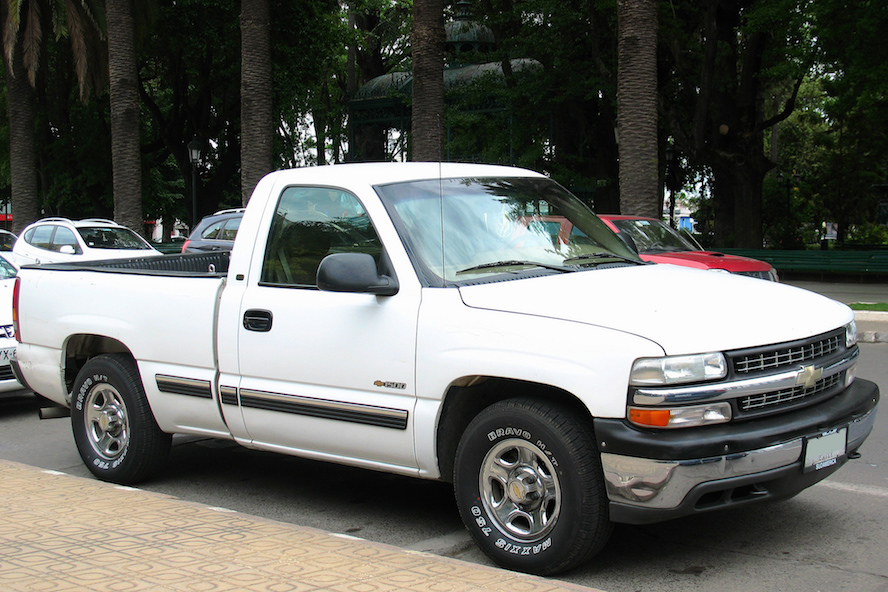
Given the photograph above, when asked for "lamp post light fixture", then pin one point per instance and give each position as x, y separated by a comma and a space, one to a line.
194, 147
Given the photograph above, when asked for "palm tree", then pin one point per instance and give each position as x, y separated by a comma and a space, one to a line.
22, 152
637, 107
23, 23
427, 43
257, 127
126, 161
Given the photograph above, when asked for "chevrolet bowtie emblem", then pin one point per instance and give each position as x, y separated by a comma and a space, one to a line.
808, 376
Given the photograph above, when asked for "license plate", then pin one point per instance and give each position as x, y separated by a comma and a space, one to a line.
824, 450
6, 355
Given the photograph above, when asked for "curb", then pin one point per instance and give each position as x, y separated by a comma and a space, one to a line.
870, 316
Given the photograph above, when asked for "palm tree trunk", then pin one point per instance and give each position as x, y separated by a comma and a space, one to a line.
427, 43
25, 202
257, 128
637, 107
126, 160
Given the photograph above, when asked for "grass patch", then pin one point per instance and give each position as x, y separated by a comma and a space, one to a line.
877, 306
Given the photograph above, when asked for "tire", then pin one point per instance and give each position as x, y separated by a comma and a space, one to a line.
114, 429
529, 487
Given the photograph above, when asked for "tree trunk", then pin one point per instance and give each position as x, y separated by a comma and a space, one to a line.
257, 126
25, 202
737, 200
126, 160
637, 107
427, 44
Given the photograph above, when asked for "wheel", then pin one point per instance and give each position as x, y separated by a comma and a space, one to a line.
529, 487
114, 429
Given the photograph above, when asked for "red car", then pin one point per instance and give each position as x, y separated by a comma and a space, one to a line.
657, 242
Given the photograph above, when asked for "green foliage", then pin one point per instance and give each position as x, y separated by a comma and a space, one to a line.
557, 117
868, 233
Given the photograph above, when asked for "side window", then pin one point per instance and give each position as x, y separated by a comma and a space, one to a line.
63, 237
212, 231
229, 232
40, 236
309, 224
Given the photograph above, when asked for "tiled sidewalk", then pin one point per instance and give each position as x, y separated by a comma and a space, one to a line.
65, 533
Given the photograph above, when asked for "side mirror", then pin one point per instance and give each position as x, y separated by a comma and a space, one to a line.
67, 250
354, 272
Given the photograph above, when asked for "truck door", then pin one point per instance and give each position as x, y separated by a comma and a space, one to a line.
323, 374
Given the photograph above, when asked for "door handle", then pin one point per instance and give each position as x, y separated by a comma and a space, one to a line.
257, 320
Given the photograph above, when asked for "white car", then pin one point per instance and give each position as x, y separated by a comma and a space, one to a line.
8, 383
59, 240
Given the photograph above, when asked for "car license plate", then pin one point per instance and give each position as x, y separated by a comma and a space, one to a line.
6, 355
824, 450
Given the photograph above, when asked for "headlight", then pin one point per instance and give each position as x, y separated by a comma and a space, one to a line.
678, 369
850, 334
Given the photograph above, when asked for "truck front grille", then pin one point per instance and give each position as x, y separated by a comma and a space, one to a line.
787, 396
763, 360
816, 351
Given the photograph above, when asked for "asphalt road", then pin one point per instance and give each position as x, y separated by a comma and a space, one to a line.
831, 537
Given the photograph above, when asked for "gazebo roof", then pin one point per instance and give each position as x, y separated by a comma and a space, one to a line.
400, 83
385, 99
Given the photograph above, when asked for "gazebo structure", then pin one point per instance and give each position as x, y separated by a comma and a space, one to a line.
379, 112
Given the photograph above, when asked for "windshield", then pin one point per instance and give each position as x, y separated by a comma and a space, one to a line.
112, 238
460, 230
652, 236
7, 270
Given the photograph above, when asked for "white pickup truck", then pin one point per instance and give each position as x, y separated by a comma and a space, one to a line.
470, 323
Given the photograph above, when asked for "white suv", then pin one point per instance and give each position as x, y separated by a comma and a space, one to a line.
57, 240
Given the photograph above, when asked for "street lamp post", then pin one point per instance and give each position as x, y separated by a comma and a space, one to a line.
783, 181
194, 147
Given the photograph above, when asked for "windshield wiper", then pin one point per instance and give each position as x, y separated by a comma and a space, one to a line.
601, 255
513, 262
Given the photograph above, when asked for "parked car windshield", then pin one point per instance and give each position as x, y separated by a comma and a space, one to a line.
470, 228
652, 236
112, 238
7, 269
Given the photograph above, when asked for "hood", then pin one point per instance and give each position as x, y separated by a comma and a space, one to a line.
684, 310
708, 260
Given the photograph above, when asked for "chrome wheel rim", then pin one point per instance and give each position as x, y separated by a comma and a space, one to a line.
106, 421
520, 490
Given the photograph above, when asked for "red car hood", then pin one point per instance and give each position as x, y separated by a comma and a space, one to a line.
708, 260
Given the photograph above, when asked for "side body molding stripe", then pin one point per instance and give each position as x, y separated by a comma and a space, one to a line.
228, 395
384, 417
191, 387
337, 410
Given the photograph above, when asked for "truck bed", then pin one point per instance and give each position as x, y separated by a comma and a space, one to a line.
213, 264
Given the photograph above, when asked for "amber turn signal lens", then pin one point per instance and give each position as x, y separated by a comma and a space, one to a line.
656, 418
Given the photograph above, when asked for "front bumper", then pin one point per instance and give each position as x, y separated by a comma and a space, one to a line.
655, 475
